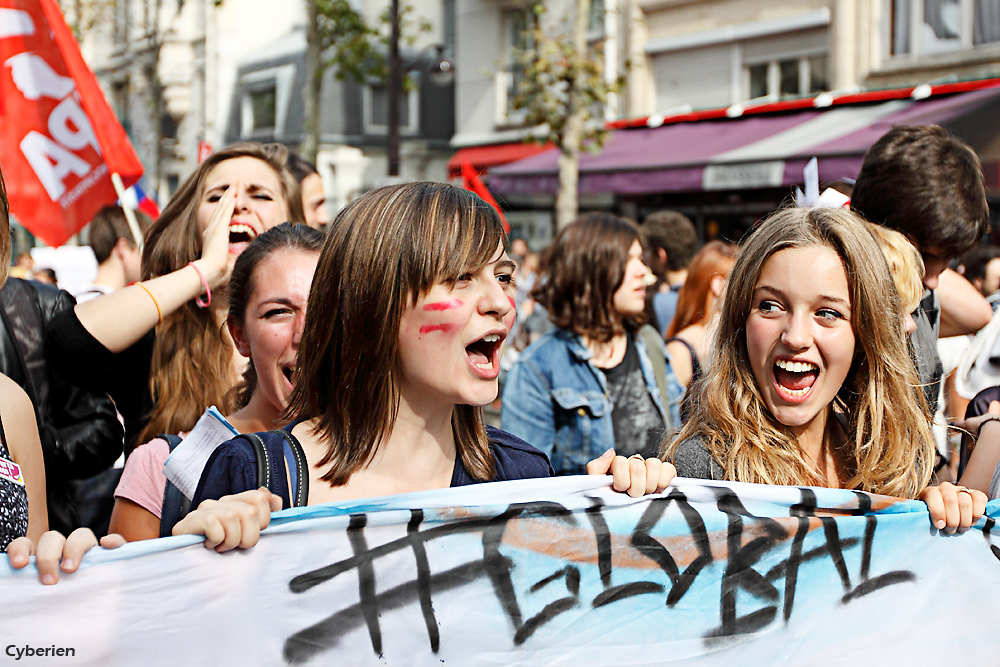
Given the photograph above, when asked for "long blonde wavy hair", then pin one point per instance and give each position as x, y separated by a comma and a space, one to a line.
192, 365
889, 448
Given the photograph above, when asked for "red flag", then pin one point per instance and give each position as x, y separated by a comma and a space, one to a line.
204, 150
59, 140
472, 182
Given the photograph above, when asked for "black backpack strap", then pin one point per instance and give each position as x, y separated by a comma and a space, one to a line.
175, 504
298, 469
263, 460
294, 458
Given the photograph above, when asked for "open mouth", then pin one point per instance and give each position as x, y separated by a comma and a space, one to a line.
288, 372
240, 236
484, 353
795, 378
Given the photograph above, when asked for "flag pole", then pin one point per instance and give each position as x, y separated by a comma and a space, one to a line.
133, 224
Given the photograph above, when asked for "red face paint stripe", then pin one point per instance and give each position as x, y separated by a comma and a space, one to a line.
427, 328
512, 303
444, 305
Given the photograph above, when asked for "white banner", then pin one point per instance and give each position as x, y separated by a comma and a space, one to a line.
537, 572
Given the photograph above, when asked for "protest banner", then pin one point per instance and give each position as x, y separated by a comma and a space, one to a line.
539, 572
60, 142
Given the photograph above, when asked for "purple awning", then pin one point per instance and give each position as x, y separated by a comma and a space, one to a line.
742, 153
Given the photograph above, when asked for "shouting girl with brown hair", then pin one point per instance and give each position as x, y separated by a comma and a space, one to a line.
159, 347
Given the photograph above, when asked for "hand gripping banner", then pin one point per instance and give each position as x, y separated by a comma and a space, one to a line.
539, 572
60, 142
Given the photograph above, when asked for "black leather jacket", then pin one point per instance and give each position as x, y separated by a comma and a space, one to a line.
79, 430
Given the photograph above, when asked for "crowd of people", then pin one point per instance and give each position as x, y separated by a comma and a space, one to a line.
356, 361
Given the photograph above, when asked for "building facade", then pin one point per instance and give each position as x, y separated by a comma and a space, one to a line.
201, 74
688, 56
712, 53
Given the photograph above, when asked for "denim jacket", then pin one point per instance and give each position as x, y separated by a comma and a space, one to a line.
556, 400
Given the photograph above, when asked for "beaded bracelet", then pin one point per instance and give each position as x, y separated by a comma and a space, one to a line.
207, 301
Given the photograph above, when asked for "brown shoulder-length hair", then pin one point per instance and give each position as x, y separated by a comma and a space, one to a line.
889, 447
714, 259
382, 252
581, 271
192, 365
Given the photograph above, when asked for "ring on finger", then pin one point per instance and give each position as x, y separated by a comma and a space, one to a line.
963, 489
636, 456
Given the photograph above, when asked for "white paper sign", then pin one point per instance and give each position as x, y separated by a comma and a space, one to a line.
185, 463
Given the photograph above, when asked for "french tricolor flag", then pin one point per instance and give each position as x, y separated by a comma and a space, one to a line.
138, 200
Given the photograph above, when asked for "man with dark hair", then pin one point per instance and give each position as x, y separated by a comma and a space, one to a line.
981, 267
928, 185
118, 255
671, 242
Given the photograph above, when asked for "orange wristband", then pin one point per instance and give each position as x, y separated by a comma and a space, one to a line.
159, 313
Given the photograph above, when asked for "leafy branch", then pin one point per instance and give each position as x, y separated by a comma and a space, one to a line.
559, 81
356, 48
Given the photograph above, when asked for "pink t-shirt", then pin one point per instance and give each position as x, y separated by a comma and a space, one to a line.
143, 481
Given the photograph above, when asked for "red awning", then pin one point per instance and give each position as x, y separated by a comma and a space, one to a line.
483, 157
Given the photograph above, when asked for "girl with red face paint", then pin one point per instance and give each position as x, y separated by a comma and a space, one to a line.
811, 383
404, 339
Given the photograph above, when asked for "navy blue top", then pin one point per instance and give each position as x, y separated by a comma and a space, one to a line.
232, 468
